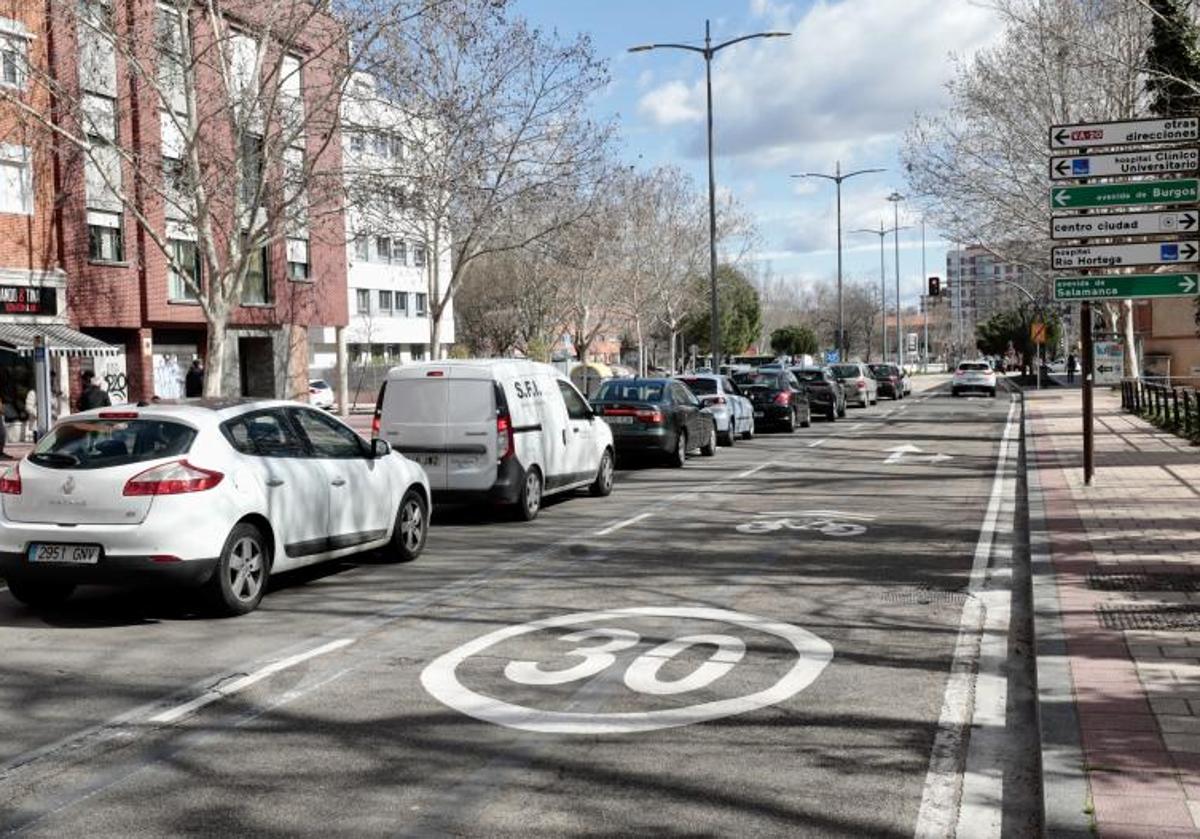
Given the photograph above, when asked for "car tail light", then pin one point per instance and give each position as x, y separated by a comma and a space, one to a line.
861, 384
783, 398
716, 400
174, 478
649, 417
505, 445
10, 481
312, 391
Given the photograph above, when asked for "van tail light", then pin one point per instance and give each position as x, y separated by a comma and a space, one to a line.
861, 384
10, 481
783, 398
174, 478
505, 444
118, 415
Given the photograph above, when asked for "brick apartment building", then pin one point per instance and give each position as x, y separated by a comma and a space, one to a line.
76, 244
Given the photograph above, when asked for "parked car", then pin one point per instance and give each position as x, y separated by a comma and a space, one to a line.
732, 412
495, 430
860, 386
212, 494
779, 400
887, 378
657, 417
320, 394
977, 376
825, 393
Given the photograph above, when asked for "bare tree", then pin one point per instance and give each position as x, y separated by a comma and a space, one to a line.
497, 119
981, 166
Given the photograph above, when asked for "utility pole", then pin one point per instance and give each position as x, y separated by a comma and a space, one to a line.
882, 233
896, 198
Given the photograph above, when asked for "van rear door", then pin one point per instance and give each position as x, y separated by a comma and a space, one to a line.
471, 434
414, 423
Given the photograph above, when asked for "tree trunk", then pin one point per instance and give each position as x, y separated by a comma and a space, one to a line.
214, 367
1127, 340
674, 335
435, 333
641, 346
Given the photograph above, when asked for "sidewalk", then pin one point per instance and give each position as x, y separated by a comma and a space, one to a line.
1125, 557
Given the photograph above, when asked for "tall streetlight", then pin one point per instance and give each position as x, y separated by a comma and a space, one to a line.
896, 198
708, 51
882, 233
837, 177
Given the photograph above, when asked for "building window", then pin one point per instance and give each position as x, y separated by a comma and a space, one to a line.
396, 199
257, 290
105, 242
362, 249
382, 144
399, 252
252, 169
14, 51
299, 266
16, 181
385, 302
362, 301
419, 256
419, 304
185, 265
383, 249
358, 143
417, 351
401, 301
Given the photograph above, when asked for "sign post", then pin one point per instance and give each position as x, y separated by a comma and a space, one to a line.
41, 384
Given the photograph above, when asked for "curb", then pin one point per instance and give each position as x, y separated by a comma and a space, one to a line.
1065, 797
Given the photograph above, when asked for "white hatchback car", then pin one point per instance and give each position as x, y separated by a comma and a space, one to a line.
320, 394
212, 494
975, 376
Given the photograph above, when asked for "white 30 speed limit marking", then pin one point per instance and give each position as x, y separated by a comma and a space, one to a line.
440, 678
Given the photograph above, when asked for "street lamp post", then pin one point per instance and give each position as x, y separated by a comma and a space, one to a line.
882, 234
896, 198
837, 177
708, 51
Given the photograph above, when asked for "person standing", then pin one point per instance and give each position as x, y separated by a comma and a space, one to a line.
193, 383
93, 395
1071, 365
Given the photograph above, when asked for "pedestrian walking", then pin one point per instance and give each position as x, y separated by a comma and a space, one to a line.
1071, 365
93, 395
193, 382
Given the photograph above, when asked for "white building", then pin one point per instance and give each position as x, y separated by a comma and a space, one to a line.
388, 260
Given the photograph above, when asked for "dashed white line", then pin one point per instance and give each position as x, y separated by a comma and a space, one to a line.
752, 471
816, 443
208, 697
621, 525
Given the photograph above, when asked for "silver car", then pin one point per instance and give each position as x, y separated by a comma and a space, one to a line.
732, 412
858, 383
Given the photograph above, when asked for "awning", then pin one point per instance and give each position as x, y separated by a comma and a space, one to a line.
61, 340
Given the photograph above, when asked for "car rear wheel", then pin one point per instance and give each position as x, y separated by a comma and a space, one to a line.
748, 434
603, 485
807, 418
993, 393
679, 456
833, 413
709, 448
40, 595
240, 579
412, 526
530, 501
729, 436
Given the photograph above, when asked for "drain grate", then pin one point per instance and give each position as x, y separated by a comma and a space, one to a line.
923, 596
1149, 617
1138, 581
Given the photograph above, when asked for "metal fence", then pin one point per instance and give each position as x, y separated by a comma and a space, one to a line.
1164, 402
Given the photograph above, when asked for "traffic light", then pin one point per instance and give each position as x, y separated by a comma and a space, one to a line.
935, 286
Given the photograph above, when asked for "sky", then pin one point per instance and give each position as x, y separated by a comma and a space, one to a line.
843, 87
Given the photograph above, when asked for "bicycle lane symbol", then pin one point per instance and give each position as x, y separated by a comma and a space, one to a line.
825, 522
643, 676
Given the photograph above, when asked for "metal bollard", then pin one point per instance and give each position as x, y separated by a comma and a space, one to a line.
1187, 413
1176, 424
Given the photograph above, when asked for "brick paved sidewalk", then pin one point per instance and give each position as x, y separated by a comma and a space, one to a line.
1126, 558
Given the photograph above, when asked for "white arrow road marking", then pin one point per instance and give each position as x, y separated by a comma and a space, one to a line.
898, 453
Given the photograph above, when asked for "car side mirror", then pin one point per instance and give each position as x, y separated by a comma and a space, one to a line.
380, 448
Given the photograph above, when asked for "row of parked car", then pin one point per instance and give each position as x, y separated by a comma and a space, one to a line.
220, 495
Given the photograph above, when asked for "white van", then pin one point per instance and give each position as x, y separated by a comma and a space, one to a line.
505, 430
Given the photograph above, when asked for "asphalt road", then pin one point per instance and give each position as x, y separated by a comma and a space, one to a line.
765, 641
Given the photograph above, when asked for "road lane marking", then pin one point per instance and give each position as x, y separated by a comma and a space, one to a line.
816, 443
752, 471
940, 813
813, 653
208, 697
621, 525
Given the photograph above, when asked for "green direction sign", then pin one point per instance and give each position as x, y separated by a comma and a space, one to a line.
1181, 191
1126, 285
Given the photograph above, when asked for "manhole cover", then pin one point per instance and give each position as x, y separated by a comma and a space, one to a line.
1139, 581
1149, 617
923, 596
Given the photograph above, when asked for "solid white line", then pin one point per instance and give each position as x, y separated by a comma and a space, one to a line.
621, 525
816, 443
939, 813
750, 472
856, 426
208, 697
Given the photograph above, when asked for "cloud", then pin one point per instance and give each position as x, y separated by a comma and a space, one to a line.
852, 73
